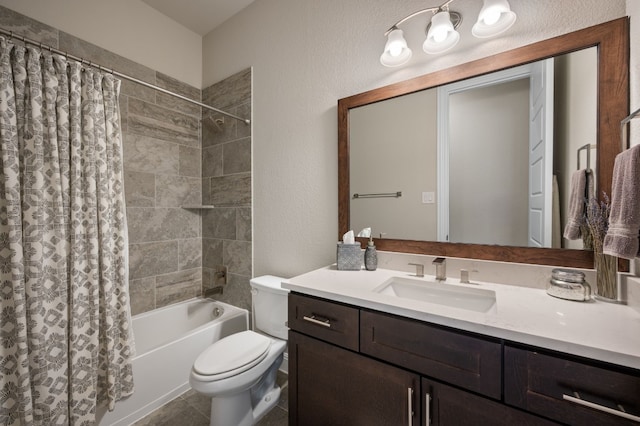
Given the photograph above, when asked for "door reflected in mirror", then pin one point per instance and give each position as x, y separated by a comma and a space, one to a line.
486, 160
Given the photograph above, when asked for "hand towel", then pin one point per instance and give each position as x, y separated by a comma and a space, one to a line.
624, 220
576, 204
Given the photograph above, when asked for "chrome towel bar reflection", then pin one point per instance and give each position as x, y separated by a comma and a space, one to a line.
588, 148
381, 195
623, 128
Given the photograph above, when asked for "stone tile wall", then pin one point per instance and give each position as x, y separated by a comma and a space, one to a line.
162, 159
226, 183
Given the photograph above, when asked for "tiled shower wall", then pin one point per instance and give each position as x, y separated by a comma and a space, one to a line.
226, 183
162, 160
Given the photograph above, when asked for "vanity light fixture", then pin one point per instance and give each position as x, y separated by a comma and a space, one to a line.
495, 18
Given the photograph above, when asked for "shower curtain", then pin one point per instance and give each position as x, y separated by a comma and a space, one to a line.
65, 332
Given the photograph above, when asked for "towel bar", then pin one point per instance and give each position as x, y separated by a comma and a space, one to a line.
381, 195
623, 128
588, 148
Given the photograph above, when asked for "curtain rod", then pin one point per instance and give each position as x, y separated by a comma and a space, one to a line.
121, 75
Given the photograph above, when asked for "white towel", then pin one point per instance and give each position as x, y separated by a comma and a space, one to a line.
624, 220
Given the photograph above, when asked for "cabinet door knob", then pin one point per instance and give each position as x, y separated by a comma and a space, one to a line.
577, 400
315, 320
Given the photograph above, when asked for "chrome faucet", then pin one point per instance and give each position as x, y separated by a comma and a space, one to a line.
441, 268
419, 269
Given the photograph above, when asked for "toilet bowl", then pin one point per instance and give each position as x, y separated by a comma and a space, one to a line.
239, 372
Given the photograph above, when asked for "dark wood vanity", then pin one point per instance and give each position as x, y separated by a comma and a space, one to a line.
356, 366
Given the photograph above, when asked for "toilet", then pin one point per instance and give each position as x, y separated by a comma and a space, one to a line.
239, 371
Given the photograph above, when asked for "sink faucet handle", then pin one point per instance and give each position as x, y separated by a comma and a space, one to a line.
419, 269
441, 268
464, 276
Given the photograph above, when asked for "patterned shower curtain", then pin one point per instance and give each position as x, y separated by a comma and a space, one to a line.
65, 332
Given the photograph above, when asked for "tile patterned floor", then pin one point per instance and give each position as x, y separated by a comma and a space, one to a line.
192, 409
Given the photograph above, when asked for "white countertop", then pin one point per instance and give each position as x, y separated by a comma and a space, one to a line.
596, 330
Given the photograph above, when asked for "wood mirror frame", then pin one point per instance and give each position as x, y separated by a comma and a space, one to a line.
612, 42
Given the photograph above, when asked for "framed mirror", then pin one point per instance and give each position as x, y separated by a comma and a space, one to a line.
609, 47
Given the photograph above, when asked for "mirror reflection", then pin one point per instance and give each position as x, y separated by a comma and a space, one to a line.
486, 160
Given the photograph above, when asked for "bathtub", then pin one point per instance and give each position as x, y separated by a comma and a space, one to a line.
168, 340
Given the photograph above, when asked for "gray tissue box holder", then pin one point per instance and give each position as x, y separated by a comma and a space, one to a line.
349, 257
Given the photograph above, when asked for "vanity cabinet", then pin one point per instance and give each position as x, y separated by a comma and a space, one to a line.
330, 385
352, 366
445, 405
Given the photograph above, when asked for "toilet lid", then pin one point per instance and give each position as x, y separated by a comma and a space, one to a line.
235, 353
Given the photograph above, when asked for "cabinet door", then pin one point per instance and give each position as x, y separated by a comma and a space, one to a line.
333, 386
444, 405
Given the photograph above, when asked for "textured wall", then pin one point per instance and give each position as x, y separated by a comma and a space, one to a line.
226, 183
307, 54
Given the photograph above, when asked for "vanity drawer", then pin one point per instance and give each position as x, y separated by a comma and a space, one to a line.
460, 359
570, 391
328, 321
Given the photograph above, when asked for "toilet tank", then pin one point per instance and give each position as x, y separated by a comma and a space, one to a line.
269, 302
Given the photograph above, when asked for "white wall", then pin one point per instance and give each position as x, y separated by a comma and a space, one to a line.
306, 54
393, 146
576, 124
489, 164
129, 28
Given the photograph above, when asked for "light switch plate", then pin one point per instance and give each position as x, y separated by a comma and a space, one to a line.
428, 197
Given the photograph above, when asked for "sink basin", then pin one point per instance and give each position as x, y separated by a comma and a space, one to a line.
472, 299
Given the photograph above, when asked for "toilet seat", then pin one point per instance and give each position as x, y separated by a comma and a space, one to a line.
232, 355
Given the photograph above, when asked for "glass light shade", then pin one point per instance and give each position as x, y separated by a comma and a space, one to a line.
396, 52
441, 35
495, 18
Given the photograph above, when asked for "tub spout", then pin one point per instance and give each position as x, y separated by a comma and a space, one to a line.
210, 292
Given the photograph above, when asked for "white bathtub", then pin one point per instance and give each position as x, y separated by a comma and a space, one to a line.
168, 340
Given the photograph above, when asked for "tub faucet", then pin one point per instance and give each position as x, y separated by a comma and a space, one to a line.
441, 268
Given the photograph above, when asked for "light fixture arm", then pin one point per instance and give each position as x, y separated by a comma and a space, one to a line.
433, 10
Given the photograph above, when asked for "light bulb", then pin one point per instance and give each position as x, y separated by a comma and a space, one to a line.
396, 52
395, 49
495, 18
491, 16
439, 35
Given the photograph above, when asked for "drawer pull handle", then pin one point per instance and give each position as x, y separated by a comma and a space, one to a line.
577, 400
410, 406
427, 412
313, 319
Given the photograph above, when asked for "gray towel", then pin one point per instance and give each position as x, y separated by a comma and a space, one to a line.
624, 220
576, 204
